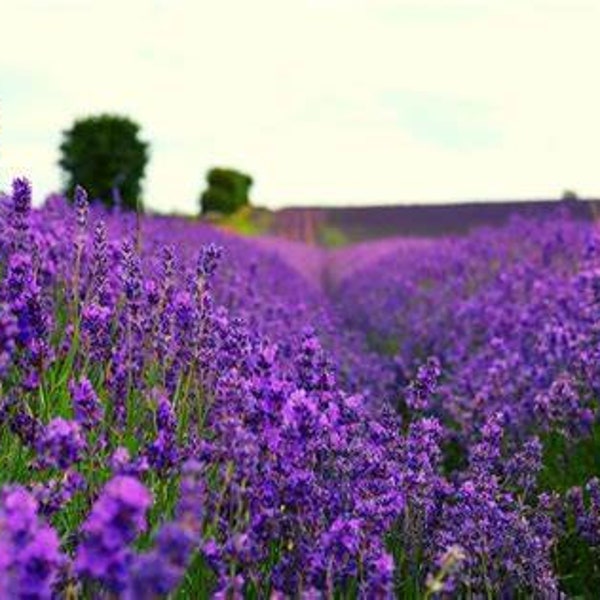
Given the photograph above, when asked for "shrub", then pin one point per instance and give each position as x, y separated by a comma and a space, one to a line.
227, 191
569, 195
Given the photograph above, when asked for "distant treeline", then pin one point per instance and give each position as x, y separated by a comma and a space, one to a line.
106, 156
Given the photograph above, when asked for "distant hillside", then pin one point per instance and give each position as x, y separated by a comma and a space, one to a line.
338, 226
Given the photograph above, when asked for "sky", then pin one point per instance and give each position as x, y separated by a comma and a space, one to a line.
323, 102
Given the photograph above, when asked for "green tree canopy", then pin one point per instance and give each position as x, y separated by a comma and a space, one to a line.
105, 155
227, 191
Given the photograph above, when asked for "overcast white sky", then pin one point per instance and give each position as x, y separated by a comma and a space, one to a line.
322, 101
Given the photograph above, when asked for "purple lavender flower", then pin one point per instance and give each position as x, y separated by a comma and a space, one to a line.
524, 466
132, 275
314, 367
159, 571
8, 335
30, 556
19, 277
116, 519
60, 444
587, 517
81, 207
380, 579
163, 452
208, 260
86, 405
21, 208
342, 540
56, 493
95, 328
27, 427
229, 587
121, 463
100, 262
21, 194
418, 394
561, 405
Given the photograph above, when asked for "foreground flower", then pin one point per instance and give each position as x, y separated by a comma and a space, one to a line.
30, 556
116, 519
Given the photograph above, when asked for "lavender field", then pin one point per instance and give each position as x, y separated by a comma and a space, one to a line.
190, 414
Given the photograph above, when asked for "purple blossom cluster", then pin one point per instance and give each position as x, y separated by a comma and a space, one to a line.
30, 555
116, 519
187, 412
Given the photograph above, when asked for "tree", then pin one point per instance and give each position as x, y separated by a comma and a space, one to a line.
227, 191
105, 155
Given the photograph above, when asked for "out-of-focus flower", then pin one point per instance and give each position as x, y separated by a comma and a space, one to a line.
30, 556
116, 519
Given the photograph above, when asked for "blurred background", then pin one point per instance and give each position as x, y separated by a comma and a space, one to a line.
307, 103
